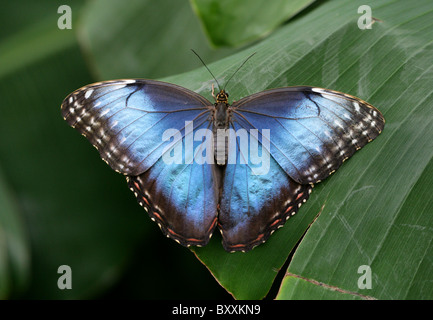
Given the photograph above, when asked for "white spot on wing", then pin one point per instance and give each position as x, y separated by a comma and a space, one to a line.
114, 124
88, 93
338, 123
347, 116
356, 105
318, 90
105, 112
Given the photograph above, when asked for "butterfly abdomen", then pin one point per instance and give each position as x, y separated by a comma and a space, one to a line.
221, 146
220, 126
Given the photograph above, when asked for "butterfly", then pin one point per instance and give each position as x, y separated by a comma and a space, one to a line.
244, 168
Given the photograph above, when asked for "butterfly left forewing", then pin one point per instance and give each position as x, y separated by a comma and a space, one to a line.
126, 119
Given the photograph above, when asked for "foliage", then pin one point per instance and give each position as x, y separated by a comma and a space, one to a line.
62, 205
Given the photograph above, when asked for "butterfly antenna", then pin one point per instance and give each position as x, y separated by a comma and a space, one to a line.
207, 69
238, 69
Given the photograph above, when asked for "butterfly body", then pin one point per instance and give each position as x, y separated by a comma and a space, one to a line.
221, 121
243, 168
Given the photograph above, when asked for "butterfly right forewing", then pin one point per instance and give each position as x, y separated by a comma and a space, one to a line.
313, 130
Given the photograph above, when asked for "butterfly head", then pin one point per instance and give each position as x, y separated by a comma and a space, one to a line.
222, 97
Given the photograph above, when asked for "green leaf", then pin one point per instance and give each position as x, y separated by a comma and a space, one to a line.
376, 209
142, 39
236, 22
14, 249
297, 288
378, 212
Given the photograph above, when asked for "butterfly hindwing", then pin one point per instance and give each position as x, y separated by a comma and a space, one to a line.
182, 199
257, 198
313, 130
181, 194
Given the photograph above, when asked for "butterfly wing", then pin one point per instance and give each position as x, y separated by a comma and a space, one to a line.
182, 197
313, 130
257, 198
127, 120
311, 133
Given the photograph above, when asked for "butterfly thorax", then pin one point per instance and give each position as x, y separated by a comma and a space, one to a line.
221, 119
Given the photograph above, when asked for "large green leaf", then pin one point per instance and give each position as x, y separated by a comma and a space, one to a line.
142, 38
379, 212
236, 22
376, 210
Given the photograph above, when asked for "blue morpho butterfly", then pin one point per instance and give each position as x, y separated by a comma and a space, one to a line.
195, 165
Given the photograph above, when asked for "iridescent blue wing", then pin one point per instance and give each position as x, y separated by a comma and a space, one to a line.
126, 120
313, 130
257, 197
181, 198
